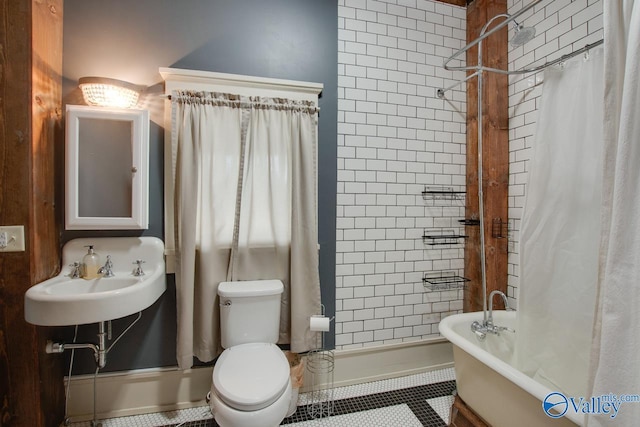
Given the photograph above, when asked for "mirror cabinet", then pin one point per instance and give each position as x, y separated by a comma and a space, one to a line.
106, 168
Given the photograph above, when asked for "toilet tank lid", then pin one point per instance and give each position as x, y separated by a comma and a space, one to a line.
250, 288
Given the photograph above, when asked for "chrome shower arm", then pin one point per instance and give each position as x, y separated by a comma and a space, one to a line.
504, 23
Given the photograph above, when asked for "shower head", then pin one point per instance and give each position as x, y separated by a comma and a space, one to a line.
522, 34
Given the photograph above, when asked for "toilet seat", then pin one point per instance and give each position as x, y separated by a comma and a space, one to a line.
249, 377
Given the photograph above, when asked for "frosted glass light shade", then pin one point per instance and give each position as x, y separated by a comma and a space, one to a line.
104, 92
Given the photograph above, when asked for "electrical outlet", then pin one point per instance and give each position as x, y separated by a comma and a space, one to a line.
12, 238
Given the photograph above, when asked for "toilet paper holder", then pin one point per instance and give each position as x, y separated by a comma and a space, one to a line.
320, 323
320, 365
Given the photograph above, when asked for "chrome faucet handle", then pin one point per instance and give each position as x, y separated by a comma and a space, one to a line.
75, 270
495, 329
479, 330
107, 269
138, 270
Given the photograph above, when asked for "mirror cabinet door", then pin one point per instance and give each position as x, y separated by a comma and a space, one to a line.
106, 168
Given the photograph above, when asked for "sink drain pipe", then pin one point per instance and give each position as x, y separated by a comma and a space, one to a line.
99, 350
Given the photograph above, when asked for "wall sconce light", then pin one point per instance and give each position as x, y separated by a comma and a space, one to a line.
104, 92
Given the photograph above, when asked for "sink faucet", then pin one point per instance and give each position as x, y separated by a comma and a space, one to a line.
75, 270
107, 269
138, 270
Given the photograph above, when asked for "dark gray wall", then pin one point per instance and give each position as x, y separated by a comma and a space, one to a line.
130, 40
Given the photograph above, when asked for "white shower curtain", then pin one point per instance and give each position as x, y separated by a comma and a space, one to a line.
615, 366
560, 228
245, 209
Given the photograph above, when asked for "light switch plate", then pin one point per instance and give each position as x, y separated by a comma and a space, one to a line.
13, 236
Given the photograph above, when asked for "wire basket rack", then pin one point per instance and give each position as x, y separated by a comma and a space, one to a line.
443, 196
444, 281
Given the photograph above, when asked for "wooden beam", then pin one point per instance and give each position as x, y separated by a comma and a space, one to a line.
31, 36
455, 2
495, 154
463, 416
47, 169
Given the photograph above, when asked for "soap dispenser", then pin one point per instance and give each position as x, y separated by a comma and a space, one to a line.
90, 264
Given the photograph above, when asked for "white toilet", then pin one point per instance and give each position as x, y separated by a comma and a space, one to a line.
251, 385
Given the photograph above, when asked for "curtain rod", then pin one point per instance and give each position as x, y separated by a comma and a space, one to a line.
586, 48
314, 106
498, 27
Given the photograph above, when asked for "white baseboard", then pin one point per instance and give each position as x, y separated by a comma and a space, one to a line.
390, 361
122, 394
163, 389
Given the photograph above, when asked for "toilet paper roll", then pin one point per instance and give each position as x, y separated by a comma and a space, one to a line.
319, 323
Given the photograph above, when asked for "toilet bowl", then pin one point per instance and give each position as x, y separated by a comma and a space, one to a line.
251, 386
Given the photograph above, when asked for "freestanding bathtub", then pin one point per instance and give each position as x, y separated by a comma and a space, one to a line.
488, 383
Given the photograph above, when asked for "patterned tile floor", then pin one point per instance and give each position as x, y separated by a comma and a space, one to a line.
412, 401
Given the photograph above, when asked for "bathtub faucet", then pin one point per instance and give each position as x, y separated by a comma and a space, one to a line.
504, 299
487, 326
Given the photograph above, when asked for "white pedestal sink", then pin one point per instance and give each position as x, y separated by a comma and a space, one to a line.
62, 301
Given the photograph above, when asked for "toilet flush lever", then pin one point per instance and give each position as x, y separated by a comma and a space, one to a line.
227, 303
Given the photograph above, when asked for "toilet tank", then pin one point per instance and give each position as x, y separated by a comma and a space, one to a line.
249, 311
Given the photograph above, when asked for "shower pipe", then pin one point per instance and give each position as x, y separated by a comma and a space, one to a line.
484, 34
479, 69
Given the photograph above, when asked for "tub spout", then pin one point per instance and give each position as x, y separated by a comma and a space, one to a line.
504, 299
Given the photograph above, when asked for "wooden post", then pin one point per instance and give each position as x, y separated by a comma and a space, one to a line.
464, 416
495, 128
31, 386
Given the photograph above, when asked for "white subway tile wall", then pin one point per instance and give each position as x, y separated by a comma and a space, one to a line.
395, 136
562, 26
